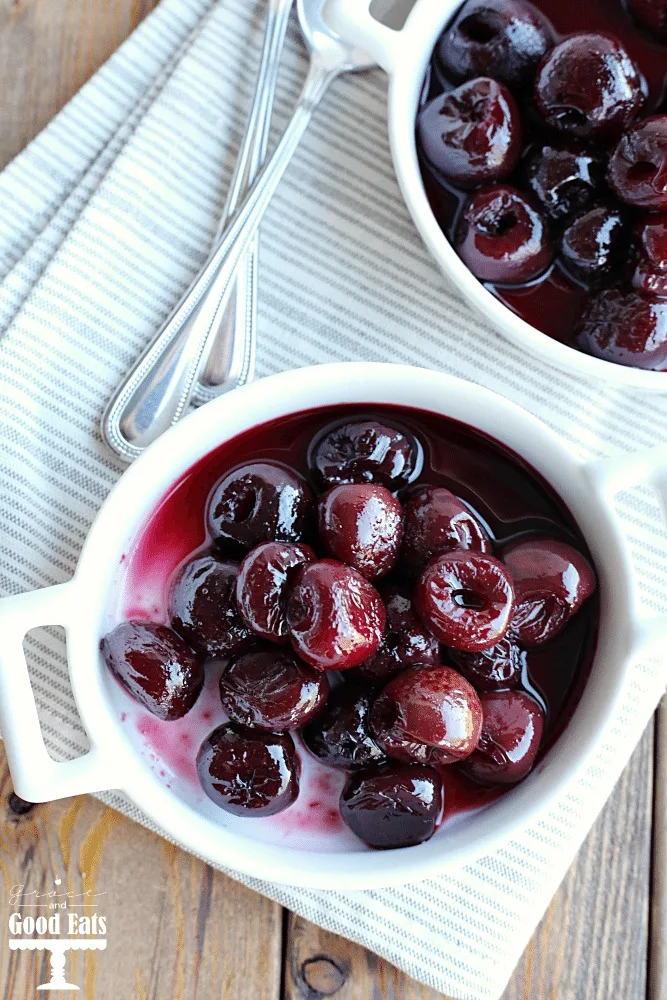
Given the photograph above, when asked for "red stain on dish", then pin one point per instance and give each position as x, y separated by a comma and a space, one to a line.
207, 715
123, 716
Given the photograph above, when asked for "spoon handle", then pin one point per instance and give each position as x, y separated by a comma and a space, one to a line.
160, 387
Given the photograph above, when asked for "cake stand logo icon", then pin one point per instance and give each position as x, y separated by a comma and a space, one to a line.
56, 921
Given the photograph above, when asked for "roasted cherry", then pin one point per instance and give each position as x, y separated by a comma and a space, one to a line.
492, 669
638, 166
398, 806
594, 245
650, 273
365, 451
502, 38
155, 666
503, 237
472, 135
630, 329
466, 599
430, 715
551, 582
203, 609
589, 87
249, 772
335, 617
272, 689
340, 736
362, 525
406, 642
565, 177
259, 502
436, 521
263, 584
509, 741
651, 15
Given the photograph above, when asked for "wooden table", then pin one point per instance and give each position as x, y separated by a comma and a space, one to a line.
182, 930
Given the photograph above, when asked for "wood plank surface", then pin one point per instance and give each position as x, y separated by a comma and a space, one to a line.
178, 929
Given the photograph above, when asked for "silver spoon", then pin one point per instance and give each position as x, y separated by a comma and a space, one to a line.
235, 319
160, 388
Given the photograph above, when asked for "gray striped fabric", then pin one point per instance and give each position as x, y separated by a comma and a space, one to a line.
103, 220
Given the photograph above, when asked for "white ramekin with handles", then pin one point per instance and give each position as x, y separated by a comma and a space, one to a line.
113, 762
405, 55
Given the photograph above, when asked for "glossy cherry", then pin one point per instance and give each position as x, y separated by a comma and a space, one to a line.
551, 582
263, 584
259, 502
436, 521
249, 772
650, 273
361, 524
650, 15
472, 135
502, 38
565, 176
202, 608
589, 87
594, 246
509, 741
638, 165
503, 237
364, 451
405, 643
466, 599
336, 618
340, 736
272, 689
155, 666
430, 715
398, 806
492, 669
629, 329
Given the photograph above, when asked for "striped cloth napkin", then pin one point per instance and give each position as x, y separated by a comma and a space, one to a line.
104, 219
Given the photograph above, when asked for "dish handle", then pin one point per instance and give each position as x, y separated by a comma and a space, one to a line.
353, 21
36, 775
611, 476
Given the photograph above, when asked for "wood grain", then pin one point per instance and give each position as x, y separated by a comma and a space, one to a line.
176, 927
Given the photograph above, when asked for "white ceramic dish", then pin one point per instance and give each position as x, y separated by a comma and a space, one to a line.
405, 55
81, 606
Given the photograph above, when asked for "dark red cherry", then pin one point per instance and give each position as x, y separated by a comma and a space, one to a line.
155, 666
262, 587
466, 599
202, 607
565, 177
650, 15
364, 451
259, 502
509, 741
272, 689
336, 618
589, 87
503, 237
502, 38
629, 329
340, 736
472, 135
430, 715
551, 582
436, 521
249, 772
594, 246
362, 525
406, 642
650, 274
638, 165
491, 669
396, 807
